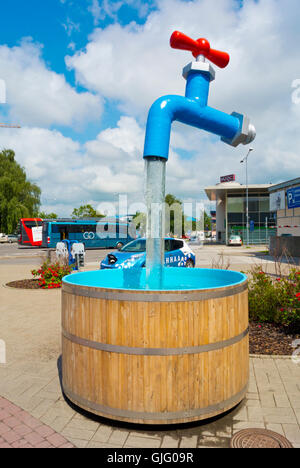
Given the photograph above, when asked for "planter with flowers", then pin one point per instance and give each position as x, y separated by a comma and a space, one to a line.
274, 311
50, 275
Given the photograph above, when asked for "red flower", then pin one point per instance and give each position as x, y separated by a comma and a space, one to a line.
278, 279
298, 294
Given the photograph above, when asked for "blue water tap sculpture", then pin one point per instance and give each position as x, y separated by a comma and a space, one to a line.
192, 109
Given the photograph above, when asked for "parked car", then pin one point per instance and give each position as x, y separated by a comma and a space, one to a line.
12, 238
196, 240
3, 237
177, 254
235, 240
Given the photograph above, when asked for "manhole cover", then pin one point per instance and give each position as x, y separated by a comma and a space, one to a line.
259, 438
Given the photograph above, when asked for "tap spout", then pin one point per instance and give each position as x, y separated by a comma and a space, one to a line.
192, 109
168, 109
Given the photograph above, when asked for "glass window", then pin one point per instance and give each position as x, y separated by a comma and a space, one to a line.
264, 204
263, 217
235, 218
254, 217
176, 244
33, 223
235, 237
235, 205
168, 245
122, 229
253, 204
138, 245
55, 228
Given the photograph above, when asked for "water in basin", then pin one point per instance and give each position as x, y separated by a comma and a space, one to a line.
173, 279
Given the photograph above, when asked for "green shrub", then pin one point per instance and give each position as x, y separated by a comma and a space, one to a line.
288, 313
275, 300
50, 275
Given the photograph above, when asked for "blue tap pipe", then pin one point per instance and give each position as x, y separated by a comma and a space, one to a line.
191, 110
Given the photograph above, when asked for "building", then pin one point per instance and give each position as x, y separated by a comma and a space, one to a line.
285, 205
231, 211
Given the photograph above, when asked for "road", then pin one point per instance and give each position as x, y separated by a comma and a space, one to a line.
208, 256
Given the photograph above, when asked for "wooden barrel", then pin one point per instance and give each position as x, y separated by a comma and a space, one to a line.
155, 358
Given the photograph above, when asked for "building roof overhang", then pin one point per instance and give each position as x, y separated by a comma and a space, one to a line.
284, 185
219, 191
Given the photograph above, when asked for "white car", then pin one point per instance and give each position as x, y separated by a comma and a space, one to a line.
235, 240
196, 238
3, 237
11, 238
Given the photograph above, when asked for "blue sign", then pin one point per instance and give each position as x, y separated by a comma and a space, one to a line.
293, 197
251, 226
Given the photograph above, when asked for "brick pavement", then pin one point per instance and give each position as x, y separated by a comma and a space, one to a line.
272, 402
18, 429
30, 380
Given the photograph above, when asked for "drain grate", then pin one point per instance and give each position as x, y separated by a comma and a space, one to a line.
259, 438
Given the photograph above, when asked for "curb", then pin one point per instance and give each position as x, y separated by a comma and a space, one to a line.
270, 356
18, 257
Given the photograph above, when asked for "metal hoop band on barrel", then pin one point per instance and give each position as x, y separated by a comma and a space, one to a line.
117, 412
135, 296
154, 351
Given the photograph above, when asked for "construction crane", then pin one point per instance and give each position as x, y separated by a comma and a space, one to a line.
9, 126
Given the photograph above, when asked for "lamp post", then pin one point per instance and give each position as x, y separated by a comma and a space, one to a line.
245, 159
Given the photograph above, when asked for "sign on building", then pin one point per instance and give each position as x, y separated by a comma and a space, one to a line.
227, 178
293, 197
277, 201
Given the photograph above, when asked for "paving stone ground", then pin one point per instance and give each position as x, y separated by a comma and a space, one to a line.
18, 429
33, 410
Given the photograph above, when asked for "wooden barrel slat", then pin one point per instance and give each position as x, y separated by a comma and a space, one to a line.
191, 385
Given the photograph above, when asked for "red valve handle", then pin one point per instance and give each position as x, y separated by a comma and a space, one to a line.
200, 47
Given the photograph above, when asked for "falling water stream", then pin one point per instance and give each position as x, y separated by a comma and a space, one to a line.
155, 169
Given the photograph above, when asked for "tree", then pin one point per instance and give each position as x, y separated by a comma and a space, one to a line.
171, 200
174, 218
44, 215
204, 222
86, 211
19, 198
207, 222
140, 221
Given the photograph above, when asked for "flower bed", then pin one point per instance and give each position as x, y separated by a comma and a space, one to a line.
275, 300
50, 275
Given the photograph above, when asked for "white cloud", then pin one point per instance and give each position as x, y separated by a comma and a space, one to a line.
71, 174
70, 27
110, 8
95, 10
38, 96
134, 65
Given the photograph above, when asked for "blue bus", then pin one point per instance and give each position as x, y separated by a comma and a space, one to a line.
92, 233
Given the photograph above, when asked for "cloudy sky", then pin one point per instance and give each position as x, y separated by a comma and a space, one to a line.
81, 75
